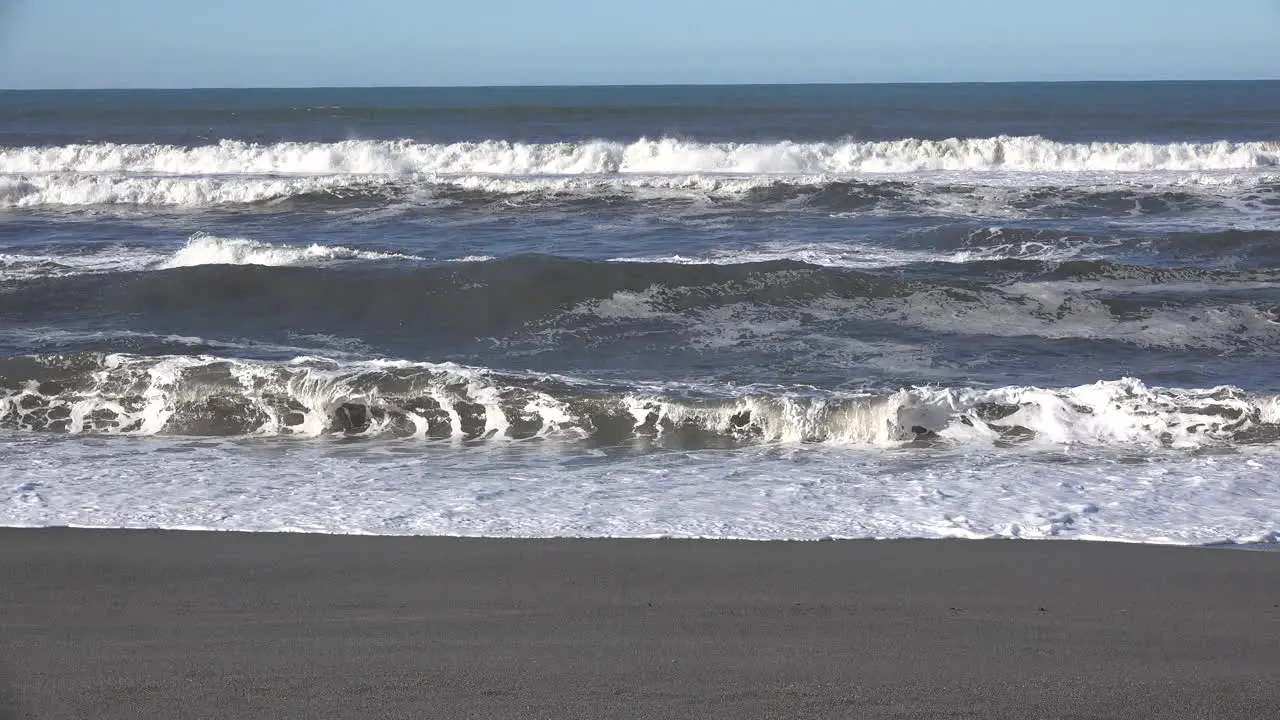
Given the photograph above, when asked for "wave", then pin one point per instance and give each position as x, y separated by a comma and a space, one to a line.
35, 340
644, 156
23, 266
964, 244
72, 190
1234, 247
549, 300
954, 195
202, 249
311, 397
948, 244
1204, 249
955, 244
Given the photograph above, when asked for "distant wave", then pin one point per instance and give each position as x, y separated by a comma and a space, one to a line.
645, 156
841, 176
83, 189
1029, 194
206, 395
837, 175
664, 156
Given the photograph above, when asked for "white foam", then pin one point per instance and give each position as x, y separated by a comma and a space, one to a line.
961, 192
204, 249
69, 189
1108, 460
1105, 414
869, 255
644, 156
1053, 310
199, 249
534, 490
17, 266
233, 172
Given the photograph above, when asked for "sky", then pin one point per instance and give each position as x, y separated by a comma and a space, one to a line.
283, 43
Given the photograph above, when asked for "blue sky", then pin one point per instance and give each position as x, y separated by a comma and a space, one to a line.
235, 43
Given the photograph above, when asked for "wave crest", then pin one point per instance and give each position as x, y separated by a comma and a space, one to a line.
644, 156
205, 395
202, 249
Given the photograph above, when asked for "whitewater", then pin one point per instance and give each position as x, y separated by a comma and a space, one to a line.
662, 156
235, 172
742, 312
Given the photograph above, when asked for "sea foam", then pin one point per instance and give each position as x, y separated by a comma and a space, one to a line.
645, 156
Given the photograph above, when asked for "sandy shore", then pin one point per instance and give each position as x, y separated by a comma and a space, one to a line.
123, 624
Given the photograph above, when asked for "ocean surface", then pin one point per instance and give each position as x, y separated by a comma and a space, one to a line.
1030, 310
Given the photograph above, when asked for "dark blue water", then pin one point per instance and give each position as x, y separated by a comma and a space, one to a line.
1070, 112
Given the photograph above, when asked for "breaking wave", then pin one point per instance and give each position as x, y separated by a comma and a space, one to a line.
312, 397
954, 195
838, 176
202, 249
71, 189
199, 249
664, 156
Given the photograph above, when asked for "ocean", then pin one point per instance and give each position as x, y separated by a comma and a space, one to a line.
767, 312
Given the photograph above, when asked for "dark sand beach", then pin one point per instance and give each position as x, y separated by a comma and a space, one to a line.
140, 624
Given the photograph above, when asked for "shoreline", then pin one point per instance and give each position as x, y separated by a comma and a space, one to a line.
141, 623
1249, 545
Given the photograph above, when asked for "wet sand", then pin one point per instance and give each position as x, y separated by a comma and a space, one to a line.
141, 624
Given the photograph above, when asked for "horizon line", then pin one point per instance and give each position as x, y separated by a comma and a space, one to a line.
1099, 81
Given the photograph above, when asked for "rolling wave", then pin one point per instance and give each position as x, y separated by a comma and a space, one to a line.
199, 249
965, 194
955, 244
417, 307
664, 156
834, 176
312, 397
72, 190
202, 249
